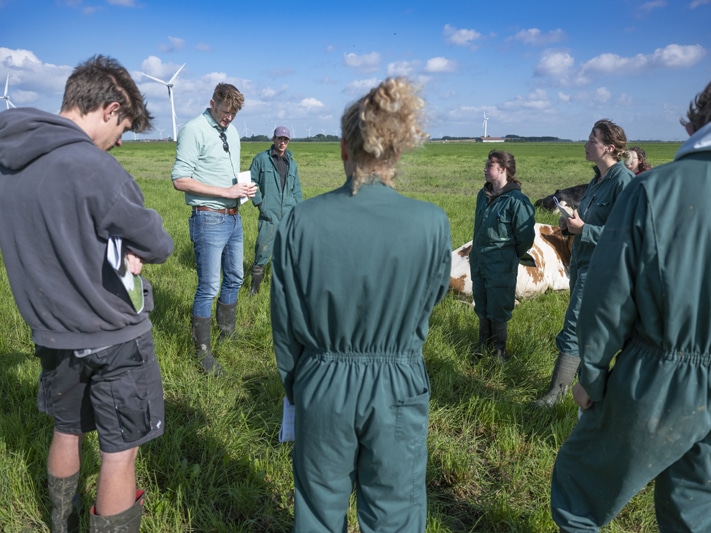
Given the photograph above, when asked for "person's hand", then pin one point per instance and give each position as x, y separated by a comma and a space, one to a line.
563, 223
135, 263
575, 223
241, 190
581, 397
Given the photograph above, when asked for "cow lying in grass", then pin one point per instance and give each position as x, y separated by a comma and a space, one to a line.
571, 196
550, 251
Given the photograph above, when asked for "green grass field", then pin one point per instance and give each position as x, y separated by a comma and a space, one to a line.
220, 468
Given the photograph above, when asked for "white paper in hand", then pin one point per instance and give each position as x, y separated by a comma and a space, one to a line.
244, 177
132, 283
286, 433
565, 211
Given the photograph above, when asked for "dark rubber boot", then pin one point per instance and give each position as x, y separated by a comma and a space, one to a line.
201, 339
499, 332
128, 521
65, 503
564, 372
484, 341
257, 277
226, 319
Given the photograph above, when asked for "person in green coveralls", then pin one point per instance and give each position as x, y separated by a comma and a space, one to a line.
504, 229
278, 190
356, 274
647, 301
605, 148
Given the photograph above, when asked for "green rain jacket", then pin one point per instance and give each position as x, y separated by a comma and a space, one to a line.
274, 203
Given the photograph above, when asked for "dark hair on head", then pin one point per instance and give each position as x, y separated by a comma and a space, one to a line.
612, 134
378, 126
642, 163
100, 81
228, 94
505, 160
699, 113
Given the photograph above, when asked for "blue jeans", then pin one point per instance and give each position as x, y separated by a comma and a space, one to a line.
219, 244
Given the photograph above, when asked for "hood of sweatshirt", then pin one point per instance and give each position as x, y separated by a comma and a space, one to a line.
27, 133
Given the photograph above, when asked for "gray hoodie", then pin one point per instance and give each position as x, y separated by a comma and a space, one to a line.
61, 199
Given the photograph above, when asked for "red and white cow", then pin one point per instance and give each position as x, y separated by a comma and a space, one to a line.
550, 251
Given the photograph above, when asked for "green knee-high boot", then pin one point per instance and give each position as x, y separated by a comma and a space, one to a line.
128, 521
65, 503
226, 319
499, 331
564, 372
484, 334
203, 352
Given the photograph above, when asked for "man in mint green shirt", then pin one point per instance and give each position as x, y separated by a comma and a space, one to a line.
206, 168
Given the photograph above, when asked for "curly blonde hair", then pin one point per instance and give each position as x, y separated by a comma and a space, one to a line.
378, 127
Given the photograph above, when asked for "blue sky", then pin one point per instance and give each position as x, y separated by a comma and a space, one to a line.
534, 68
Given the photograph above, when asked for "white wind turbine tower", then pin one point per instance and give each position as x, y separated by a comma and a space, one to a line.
486, 121
5, 96
308, 132
170, 84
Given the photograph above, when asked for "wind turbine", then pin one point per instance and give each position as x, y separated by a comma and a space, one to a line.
170, 84
5, 96
308, 132
486, 121
160, 132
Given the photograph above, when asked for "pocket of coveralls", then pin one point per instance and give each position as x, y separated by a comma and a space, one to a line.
412, 417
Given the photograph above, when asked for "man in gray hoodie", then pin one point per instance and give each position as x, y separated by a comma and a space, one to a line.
647, 304
75, 236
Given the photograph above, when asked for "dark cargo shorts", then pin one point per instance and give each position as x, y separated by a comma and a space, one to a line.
116, 391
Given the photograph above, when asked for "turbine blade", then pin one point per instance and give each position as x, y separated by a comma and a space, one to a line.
7, 80
176, 74
154, 79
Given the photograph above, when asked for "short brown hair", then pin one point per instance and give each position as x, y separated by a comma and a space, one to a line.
699, 113
100, 81
229, 95
612, 134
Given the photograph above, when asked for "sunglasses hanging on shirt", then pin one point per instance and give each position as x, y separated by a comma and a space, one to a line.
225, 146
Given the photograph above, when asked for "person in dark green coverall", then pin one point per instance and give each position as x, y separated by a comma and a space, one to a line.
647, 301
356, 274
278, 190
504, 229
606, 149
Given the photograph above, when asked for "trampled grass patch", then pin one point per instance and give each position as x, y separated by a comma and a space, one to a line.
219, 467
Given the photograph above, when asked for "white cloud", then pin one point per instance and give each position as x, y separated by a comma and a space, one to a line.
402, 68
176, 43
602, 95
697, 3
122, 3
671, 56
440, 64
311, 104
563, 97
653, 4
269, 93
361, 86
203, 47
554, 63
364, 63
460, 37
535, 37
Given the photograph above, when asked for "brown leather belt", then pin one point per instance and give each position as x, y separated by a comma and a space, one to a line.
225, 211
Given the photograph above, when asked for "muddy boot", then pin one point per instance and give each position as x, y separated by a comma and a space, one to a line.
128, 521
65, 503
201, 339
484, 341
257, 276
563, 374
499, 332
226, 319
